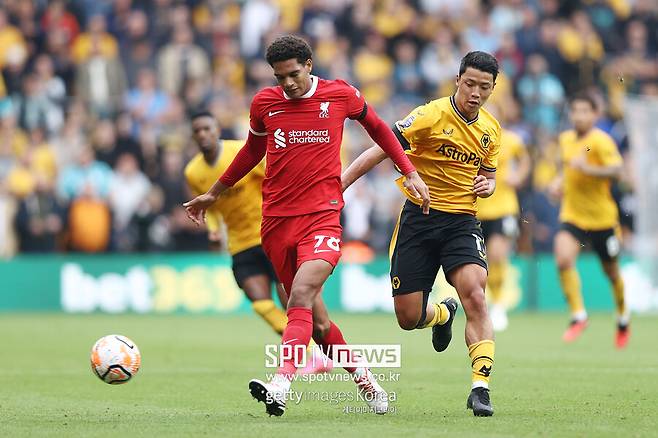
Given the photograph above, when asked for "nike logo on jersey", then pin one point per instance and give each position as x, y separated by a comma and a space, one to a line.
322, 250
273, 113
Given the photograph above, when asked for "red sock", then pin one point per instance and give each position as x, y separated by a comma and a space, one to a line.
298, 331
333, 337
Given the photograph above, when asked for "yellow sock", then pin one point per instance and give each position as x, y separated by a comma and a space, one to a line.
441, 315
570, 281
495, 281
274, 316
482, 358
618, 291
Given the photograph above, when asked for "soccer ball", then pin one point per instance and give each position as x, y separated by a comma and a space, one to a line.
115, 359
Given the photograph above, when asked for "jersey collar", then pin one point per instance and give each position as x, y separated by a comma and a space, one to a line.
461, 116
310, 92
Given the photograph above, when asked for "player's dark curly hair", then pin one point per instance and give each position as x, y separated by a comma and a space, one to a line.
480, 61
288, 47
585, 97
201, 113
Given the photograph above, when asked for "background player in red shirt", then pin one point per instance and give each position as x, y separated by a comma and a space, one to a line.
299, 124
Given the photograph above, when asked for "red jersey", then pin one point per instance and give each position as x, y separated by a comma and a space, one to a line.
304, 136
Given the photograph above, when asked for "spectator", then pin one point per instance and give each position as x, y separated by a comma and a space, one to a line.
40, 219
101, 82
541, 95
96, 40
181, 61
128, 191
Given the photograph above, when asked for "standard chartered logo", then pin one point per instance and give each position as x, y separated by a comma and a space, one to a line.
300, 137
280, 138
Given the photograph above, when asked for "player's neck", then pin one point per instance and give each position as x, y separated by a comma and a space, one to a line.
583, 133
460, 107
211, 157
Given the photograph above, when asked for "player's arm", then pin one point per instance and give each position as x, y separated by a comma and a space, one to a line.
603, 171
362, 165
517, 178
382, 135
249, 156
484, 184
214, 224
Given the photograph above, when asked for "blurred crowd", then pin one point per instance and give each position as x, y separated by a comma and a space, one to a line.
95, 99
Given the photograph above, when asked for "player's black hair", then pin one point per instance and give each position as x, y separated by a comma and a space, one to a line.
585, 97
288, 47
480, 61
202, 113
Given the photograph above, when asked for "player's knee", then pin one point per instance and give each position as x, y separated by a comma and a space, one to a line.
474, 302
563, 262
303, 294
407, 320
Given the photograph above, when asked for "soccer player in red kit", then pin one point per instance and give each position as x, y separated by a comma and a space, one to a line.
299, 125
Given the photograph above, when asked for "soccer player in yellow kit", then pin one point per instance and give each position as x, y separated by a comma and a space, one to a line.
454, 144
499, 216
240, 209
588, 213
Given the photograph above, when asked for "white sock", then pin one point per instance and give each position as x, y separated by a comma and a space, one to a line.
579, 316
281, 381
480, 384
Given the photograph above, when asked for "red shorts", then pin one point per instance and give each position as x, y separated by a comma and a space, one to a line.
290, 241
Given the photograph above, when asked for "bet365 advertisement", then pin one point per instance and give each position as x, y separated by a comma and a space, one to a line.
203, 283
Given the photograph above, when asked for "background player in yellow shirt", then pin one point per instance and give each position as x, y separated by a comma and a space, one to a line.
454, 144
499, 216
589, 215
240, 209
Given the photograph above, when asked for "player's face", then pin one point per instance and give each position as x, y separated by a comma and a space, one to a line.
583, 116
293, 77
205, 133
473, 89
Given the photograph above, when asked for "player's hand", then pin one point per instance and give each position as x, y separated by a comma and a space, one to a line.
196, 208
554, 189
482, 187
418, 189
578, 163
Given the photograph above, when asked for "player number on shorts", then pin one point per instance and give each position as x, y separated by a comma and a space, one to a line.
613, 246
479, 243
332, 243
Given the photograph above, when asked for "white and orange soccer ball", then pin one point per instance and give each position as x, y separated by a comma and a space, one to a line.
115, 359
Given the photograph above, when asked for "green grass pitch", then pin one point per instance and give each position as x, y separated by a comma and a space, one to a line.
195, 370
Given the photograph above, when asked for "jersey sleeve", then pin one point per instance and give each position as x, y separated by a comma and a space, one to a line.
415, 130
357, 108
259, 170
607, 152
256, 124
490, 162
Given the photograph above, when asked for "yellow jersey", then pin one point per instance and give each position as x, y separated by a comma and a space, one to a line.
448, 151
587, 201
240, 206
503, 202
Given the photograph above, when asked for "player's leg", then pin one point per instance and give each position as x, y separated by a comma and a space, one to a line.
251, 270
498, 247
281, 251
469, 280
463, 256
414, 265
607, 246
566, 248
